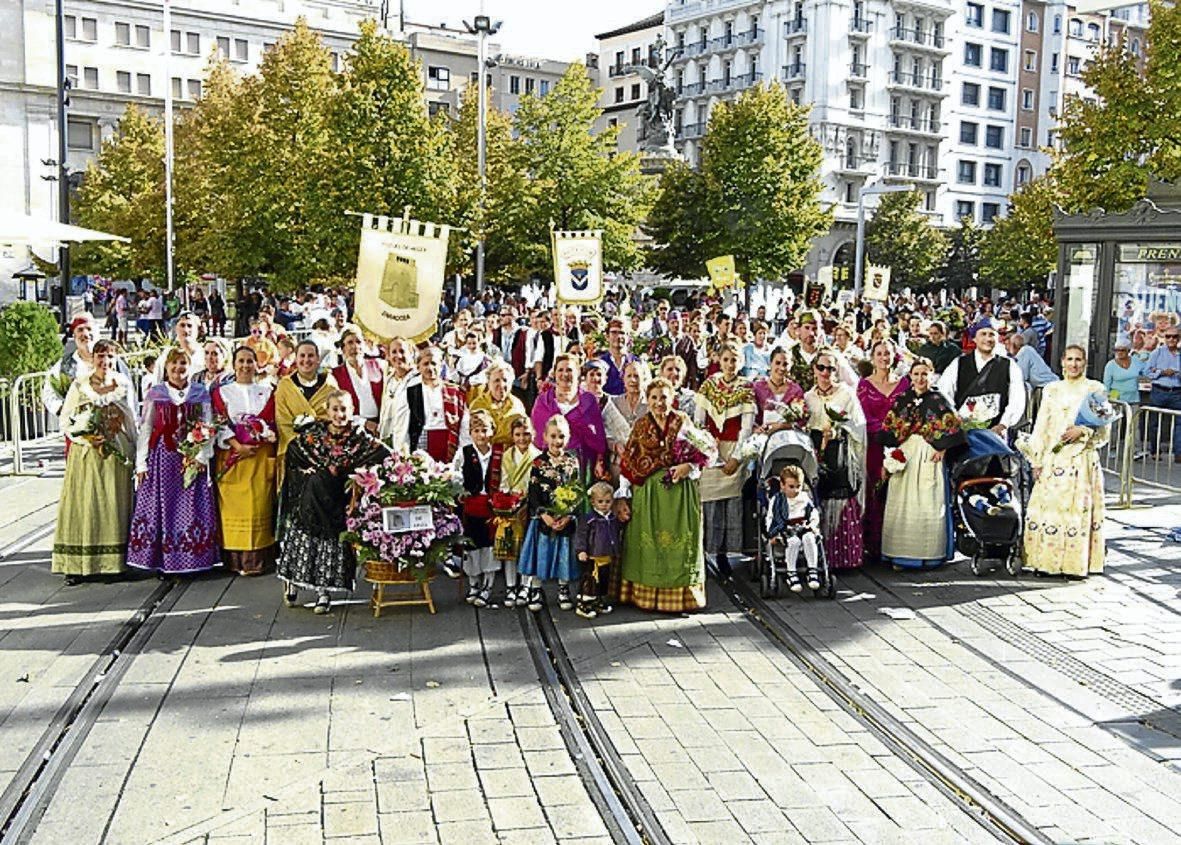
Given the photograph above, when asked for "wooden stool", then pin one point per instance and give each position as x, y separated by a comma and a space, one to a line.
382, 575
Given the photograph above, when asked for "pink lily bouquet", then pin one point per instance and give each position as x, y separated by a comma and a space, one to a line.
196, 439
249, 430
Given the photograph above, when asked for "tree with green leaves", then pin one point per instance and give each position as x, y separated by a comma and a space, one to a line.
902, 238
29, 339
123, 193
961, 268
1131, 130
580, 181
1019, 250
679, 224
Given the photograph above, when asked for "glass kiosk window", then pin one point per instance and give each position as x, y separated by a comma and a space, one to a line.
1082, 275
1147, 292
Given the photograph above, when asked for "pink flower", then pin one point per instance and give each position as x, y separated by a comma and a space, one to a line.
368, 481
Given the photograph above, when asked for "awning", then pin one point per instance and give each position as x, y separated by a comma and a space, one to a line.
16, 228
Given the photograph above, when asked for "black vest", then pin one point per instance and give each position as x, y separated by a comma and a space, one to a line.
473, 483
996, 380
417, 414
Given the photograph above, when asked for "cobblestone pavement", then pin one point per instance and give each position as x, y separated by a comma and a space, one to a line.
243, 721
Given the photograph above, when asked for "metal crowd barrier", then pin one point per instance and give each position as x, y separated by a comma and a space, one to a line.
1149, 457
29, 424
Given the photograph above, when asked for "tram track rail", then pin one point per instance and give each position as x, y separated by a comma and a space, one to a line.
24, 801
989, 811
623, 807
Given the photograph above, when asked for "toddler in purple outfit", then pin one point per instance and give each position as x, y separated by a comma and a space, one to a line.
597, 543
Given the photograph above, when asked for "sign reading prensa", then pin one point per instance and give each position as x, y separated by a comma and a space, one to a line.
400, 274
1132, 253
578, 266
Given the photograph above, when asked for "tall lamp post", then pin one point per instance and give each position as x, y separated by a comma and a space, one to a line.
63, 173
481, 26
168, 237
868, 191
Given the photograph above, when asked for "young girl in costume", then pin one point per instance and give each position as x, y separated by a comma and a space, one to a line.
515, 467
548, 550
478, 464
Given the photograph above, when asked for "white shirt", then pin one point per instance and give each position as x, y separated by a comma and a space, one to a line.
240, 400
485, 459
1014, 411
432, 408
796, 509
155, 307
394, 424
366, 407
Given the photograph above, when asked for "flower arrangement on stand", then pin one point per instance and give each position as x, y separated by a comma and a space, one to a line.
403, 519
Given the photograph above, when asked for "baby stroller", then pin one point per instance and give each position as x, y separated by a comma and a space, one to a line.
990, 484
789, 446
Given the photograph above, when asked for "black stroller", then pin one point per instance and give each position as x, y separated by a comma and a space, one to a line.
991, 484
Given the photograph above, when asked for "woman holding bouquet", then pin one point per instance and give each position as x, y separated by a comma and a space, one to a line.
922, 425
174, 527
91, 533
245, 411
663, 562
321, 457
776, 393
1064, 520
877, 394
838, 431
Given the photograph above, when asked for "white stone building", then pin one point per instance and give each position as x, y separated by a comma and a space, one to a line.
622, 91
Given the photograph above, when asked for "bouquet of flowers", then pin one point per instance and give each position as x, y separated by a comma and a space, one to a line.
691, 446
978, 411
750, 449
640, 345
406, 480
60, 384
794, 412
1095, 412
199, 435
302, 421
953, 317
249, 430
568, 499
894, 461
508, 524
836, 417
98, 425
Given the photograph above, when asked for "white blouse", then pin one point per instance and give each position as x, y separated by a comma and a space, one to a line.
240, 400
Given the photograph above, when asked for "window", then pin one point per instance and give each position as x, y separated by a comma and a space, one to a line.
1027, 99
965, 209
241, 49
543, 87
122, 34
999, 60
176, 87
194, 89
619, 63
1000, 21
996, 99
635, 91
1073, 66
175, 36
79, 134
193, 43
1053, 63
850, 193
619, 93
143, 36
1057, 24
70, 26
1135, 47
968, 132
1049, 137
612, 122
989, 211
223, 45
970, 96
529, 83
334, 62
143, 84
965, 172
438, 78
1076, 28
89, 29
1092, 31
1022, 174
1025, 135
974, 15
90, 78
994, 137
992, 175
1030, 60
433, 109
857, 99
123, 81
635, 55
72, 75
972, 53
1031, 22
514, 87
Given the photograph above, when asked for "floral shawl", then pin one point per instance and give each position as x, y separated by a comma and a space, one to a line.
929, 415
722, 401
318, 466
649, 449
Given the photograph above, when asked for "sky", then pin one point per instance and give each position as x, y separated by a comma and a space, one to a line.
557, 29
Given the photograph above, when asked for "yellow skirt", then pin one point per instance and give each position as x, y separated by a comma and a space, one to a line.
246, 501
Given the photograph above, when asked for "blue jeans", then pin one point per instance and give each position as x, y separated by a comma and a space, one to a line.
1169, 400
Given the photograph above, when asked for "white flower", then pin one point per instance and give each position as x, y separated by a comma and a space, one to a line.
302, 421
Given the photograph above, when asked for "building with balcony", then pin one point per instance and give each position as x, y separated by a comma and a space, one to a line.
622, 89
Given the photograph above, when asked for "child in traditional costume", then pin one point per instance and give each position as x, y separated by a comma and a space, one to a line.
793, 524
515, 467
597, 542
548, 550
478, 464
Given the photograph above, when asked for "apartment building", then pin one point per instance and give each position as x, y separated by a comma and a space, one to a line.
622, 89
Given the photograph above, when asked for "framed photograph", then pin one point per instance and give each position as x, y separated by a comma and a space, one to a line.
401, 520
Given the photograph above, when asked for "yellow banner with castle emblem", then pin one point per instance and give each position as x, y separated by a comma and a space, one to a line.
578, 266
400, 276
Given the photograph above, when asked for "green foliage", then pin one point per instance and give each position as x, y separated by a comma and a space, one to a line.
1132, 130
902, 238
29, 339
756, 195
123, 193
961, 266
1019, 250
579, 181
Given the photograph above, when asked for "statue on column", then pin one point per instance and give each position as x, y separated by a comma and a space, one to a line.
655, 130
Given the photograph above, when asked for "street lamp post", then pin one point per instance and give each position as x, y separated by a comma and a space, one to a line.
481, 26
868, 191
63, 173
168, 237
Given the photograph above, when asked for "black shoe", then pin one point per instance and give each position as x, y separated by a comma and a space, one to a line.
450, 569
73, 580
536, 600
564, 600
793, 582
323, 605
813, 579
483, 597
291, 596
472, 592
724, 572
587, 608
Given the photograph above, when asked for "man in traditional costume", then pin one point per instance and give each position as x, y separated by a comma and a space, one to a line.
985, 386
437, 419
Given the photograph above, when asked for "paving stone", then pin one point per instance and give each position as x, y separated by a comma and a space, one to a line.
409, 828
515, 813
758, 816
699, 805
559, 790
352, 820
571, 821
507, 783
499, 756
458, 806
541, 763
398, 797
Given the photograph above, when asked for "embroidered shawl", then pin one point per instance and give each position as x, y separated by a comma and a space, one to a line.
723, 401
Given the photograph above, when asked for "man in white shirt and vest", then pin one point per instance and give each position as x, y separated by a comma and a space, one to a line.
992, 380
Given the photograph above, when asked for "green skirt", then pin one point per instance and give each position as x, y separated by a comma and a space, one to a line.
662, 548
93, 515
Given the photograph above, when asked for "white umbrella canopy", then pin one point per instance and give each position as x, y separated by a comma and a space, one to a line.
17, 228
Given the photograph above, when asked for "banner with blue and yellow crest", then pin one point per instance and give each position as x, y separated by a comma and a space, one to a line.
578, 266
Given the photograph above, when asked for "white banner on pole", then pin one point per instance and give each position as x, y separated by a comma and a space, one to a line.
578, 266
400, 277
877, 283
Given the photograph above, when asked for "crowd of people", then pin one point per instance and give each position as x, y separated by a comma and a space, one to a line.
239, 454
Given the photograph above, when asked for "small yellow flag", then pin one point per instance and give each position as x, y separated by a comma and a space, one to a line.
721, 271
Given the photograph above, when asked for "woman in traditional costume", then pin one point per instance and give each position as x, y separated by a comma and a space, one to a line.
497, 399
99, 420
360, 377
174, 527
302, 394
218, 365
877, 394
917, 523
320, 458
663, 562
245, 411
565, 398
1064, 520
726, 409
838, 431
775, 392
